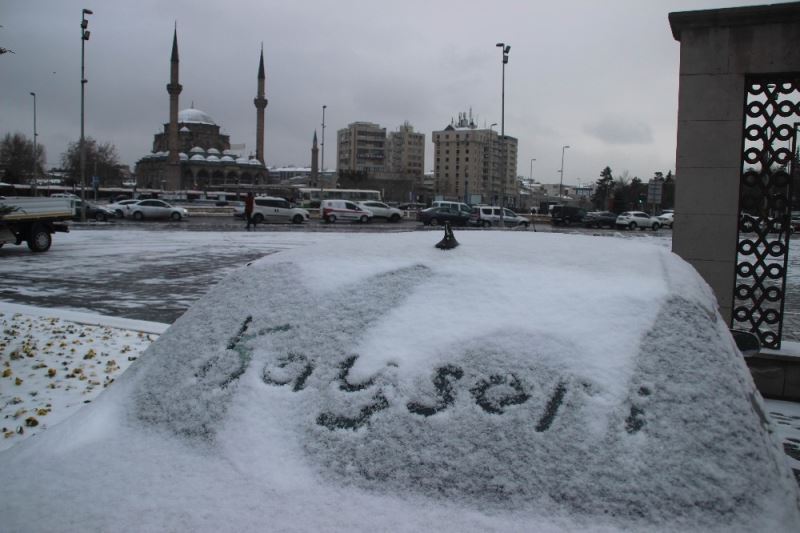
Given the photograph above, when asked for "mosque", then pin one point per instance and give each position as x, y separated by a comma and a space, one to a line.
192, 154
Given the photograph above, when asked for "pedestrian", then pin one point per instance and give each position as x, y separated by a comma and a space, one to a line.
249, 201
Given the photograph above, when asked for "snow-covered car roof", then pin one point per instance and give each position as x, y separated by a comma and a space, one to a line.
373, 382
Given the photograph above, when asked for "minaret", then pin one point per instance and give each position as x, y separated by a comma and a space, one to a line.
260, 103
174, 89
315, 161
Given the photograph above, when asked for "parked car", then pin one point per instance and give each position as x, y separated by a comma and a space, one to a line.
600, 219
272, 209
489, 215
412, 206
637, 219
121, 207
156, 209
433, 216
93, 211
666, 219
333, 210
455, 205
381, 210
566, 214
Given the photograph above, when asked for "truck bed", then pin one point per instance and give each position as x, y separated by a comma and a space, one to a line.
37, 208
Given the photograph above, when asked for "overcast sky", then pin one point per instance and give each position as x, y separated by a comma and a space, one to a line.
601, 77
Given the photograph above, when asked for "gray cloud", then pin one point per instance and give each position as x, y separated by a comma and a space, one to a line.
620, 130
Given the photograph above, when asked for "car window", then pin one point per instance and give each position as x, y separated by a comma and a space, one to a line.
349, 205
508, 213
486, 211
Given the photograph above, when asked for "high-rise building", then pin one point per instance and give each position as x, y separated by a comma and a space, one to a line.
474, 165
405, 152
361, 147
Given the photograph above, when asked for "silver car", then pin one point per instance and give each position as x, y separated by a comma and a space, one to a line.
156, 209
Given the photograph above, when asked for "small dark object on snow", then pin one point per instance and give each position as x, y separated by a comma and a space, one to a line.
449, 241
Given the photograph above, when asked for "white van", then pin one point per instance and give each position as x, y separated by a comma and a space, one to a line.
458, 206
333, 210
271, 209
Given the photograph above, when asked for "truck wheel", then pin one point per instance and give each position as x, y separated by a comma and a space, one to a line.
39, 239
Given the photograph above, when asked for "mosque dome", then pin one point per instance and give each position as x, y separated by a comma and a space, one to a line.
255, 162
242, 161
197, 150
197, 157
226, 159
183, 157
212, 159
213, 151
195, 115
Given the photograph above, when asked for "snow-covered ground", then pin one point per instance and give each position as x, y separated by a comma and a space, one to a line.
372, 382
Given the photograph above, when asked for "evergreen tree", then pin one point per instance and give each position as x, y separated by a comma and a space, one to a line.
603, 189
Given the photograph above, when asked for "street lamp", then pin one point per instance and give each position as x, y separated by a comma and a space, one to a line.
492, 125
561, 183
322, 170
84, 37
504, 49
33, 176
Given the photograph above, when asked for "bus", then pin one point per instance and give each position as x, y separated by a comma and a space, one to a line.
309, 197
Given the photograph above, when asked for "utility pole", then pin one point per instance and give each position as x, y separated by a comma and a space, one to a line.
84, 37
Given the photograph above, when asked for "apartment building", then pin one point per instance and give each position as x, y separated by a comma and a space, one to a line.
474, 165
405, 152
361, 147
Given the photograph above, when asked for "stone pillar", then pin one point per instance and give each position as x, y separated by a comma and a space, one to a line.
719, 48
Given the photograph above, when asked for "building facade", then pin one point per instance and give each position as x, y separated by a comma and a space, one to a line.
405, 152
474, 165
361, 147
192, 153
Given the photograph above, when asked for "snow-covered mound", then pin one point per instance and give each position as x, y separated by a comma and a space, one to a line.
375, 382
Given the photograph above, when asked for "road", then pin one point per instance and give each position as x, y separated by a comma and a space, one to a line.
155, 270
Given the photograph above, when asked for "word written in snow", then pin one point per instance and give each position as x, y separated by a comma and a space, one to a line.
491, 394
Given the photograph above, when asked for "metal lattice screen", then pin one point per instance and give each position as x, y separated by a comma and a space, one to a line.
772, 113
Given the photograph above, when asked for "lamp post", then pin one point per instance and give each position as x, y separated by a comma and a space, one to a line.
33, 175
504, 49
84, 37
561, 182
492, 125
322, 170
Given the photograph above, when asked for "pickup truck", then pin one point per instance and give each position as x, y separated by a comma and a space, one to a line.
33, 220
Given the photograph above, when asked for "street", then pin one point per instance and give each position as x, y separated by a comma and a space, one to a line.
154, 270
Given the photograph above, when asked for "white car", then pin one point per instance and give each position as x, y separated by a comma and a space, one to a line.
121, 207
637, 219
381, 210
489, 215
272, 209
156, 209
666, 218
333, 210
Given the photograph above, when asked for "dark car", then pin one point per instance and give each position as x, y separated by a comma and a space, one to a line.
93, 211
566, 215
411, 206
600, 219
434, 216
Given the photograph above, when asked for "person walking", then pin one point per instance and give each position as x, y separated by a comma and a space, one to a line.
249, 202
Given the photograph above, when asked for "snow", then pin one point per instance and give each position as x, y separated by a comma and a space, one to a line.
56, 361
371, 381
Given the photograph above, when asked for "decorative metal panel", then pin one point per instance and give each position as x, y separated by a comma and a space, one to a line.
772, 111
